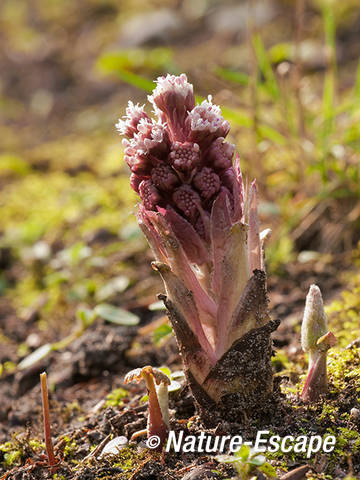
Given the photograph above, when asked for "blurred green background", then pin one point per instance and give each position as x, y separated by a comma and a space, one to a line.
287, 76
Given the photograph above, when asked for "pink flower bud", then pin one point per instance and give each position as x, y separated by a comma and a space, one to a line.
173, 97
228, 178
314, 324
188, 201
207, 182
153, 138
128, 126
220, 154
138, 164
207, 123
173, 92
135, 181
185, 156
164, 177
149, 194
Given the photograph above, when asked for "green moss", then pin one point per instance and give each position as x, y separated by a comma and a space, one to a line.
128, 458
44, 205
283, 459
11, 455
280, 361
344, 312
36, 444
115, 398
70, 447
15, 451
9, 366
328, 413
344, 368
347, 444
331, 415
69, 410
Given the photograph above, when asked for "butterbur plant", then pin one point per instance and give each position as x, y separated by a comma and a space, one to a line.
202, 226
316, 341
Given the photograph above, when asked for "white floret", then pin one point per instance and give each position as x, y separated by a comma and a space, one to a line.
206, 116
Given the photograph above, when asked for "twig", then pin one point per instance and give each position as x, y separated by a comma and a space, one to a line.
139, 433
96, 449
296, 474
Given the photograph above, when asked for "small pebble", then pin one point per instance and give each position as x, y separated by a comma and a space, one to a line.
199, 473
114, 446
355, 413
33, 340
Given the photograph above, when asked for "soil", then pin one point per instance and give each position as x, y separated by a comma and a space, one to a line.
82, 375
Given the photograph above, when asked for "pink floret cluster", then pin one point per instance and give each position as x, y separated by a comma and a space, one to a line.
200, 223
179, 160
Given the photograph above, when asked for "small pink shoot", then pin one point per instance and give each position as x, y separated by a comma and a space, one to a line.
316, 340
53, 462
158, 418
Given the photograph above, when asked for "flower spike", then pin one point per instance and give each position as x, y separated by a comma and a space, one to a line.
204, 231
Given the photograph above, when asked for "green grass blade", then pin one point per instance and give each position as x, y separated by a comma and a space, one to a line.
329, 27
329, 82
271, 134
236, 77
356, 94
237, 117
328, 101
265, 67
328, 109
135, 80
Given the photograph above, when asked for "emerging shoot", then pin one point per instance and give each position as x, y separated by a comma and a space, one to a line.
315, 340
47, 425
158, 417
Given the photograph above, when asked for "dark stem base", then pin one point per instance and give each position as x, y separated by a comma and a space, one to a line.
241, 381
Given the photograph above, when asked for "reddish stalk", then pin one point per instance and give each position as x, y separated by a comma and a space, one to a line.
47, 426
316, 381
158, 423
